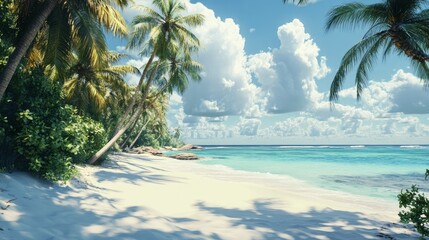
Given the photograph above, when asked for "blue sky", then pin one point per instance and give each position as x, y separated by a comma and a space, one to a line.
267, 71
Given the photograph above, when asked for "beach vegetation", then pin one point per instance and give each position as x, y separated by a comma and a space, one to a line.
59, 26
159, 33
415, 208
47, 135
173, 74
395, 26
97, 91
152, 127
69, 93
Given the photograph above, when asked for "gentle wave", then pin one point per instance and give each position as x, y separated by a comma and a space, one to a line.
411, 146
309, 163
297, 147
217, 147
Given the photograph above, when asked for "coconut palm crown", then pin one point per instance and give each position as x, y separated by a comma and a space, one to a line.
394, 26
159, 31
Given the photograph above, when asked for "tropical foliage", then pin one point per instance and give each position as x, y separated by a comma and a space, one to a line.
395, 26
93, 90
44, 135
415, 208
161, 33
62, 25
69, 92
151, 128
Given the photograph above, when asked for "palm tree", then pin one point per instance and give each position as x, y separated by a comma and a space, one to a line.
172, 74
176, 71
156, 115
395, 26
91, 89
161, 32
69, 23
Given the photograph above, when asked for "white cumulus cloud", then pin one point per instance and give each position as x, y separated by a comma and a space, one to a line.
288, 74
226, 87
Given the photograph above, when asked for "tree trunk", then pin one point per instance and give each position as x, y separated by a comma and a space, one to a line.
133, 118
404, 45
112, 141
135, 95
139, 134
144, 126
129, 135
24, 41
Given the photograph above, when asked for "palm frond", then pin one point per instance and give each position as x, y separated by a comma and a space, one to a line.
395, 25
162, 5
348, 61
403, 9
92, 46
97, 94
123, 3
176, 8
422, 71
388, 48
69, 87
191, 20
110, 18
150, 13
58, 42
121, 70
114, 57
366, 64
355, 14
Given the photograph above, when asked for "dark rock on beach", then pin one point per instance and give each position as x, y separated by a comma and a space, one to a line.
189, 147
142, 150
185, 156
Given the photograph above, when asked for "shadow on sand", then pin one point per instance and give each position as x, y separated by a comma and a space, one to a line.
49, 211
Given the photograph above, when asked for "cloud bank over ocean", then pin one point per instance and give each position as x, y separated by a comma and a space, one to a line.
274, 95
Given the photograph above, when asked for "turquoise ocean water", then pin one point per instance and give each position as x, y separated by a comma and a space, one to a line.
375, 171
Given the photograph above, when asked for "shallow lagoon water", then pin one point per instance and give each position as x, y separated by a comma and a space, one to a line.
375, 171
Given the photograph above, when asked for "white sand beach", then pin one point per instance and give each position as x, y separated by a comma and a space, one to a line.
147, 197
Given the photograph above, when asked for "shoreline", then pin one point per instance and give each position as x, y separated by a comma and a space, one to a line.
147, 197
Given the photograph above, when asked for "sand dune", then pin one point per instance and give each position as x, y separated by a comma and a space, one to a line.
146, 197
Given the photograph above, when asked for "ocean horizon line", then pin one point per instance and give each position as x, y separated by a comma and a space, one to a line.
312, 145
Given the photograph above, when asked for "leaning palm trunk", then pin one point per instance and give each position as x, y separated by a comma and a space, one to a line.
160, 92
130, 107
124, 143
134, 117
23, 43
139, 134
112, 141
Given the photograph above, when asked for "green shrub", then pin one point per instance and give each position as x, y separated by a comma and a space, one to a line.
48, 135
52, 147
416, 209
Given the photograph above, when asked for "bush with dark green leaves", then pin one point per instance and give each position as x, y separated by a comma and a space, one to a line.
38, 131
415, 209
48, 136
53, 147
